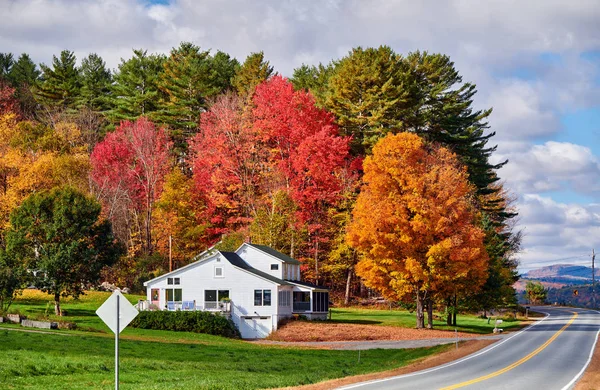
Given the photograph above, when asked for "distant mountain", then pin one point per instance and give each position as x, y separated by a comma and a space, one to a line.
567, 284
558, 276
566, 271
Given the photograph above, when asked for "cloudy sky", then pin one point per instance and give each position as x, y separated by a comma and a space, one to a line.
537, 63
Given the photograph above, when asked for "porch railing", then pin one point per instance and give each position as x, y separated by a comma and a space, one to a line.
301, 306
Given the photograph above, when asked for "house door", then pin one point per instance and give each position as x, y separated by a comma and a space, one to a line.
154, 297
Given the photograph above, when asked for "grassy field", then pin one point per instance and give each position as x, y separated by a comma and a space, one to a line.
36, 304
404, 319
84, 359
74, 361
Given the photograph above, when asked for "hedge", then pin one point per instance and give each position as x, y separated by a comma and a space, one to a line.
186, 321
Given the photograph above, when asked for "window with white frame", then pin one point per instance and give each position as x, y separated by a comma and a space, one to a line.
262, 297
218, 272
274, 267
174, 295
213, 297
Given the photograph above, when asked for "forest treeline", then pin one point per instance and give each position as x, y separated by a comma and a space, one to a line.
194, 148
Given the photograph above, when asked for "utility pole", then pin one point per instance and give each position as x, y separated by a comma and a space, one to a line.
170, 253
593, 281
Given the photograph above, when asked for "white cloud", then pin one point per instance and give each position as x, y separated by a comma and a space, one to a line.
557, 232
552, 166
488, 41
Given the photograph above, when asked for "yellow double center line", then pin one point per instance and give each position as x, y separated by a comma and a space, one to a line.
517, 363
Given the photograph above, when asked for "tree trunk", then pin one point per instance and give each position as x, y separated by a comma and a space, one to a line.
149, 229
348, 283
455, 310
57, 309
449, 311
429, 314
420, 316
316, 260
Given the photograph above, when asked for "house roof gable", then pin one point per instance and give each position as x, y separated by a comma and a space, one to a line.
201, 258
234, 259
237, 261
272, 252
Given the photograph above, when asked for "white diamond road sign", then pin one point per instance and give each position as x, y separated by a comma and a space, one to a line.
108, 312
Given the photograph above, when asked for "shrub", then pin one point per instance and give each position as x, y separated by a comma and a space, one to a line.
186, 321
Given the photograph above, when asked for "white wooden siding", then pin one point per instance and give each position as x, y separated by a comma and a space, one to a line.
241, 284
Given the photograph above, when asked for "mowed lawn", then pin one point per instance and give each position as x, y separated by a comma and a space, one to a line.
165, 360
405, 319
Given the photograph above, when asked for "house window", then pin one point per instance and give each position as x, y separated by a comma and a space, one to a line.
176, 280
213, 297
218, 272
285, 298
274, 267
169, 281
174, 295
262, 297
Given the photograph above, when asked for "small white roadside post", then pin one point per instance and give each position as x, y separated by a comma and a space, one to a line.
117, 313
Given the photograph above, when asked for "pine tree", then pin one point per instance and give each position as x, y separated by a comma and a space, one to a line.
6, 63
253, 71
60, 84
24, 71
135, 89
186, 85
95, 83
23, 75
314, 79
368, 91
223, 70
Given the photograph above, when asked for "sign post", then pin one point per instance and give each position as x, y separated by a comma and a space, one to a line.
117, 313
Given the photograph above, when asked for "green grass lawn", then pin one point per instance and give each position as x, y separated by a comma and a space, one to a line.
164, 360
37, 305
74, 361
405, 319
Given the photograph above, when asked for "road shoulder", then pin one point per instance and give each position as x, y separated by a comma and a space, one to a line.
591, 378
465, 348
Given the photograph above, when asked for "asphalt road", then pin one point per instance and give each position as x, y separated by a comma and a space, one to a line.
550, 354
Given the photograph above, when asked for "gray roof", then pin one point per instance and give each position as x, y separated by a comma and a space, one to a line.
274, 253
307, 284
237, 261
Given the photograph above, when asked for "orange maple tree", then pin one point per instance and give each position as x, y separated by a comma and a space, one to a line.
414, 223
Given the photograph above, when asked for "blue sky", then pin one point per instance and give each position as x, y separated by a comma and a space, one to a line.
537, 63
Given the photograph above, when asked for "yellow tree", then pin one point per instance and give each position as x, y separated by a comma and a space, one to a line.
414, 223
178, 230
35, 157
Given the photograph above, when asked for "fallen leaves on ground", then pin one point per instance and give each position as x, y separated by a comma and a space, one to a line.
320, 331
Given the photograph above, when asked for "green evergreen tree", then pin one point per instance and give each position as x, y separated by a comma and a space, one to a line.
253, 71
60, 85
135, 89
24, 75
6, 63
314, 79
95, 83
368, 92
186, 84
223, 70
24, 71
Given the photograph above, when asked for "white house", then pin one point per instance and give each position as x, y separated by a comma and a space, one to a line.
256, 285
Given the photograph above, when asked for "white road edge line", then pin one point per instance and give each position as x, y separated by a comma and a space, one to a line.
580, 373
447, 364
